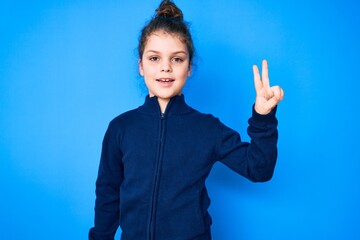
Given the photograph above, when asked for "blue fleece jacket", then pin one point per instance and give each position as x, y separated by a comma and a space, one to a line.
153, 167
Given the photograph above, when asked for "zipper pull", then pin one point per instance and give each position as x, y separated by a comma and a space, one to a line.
162, 115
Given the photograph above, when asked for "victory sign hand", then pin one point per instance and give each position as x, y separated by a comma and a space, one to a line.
266, 97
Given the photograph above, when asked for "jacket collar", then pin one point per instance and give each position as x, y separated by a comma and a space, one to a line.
176, 106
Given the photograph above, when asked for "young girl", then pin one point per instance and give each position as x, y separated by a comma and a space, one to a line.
155, 159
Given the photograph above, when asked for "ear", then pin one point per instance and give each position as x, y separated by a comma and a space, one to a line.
141, 69
189, 70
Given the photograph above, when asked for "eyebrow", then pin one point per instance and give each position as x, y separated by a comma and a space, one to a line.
157, 52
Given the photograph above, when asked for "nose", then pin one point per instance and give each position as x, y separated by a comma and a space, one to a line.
166, 67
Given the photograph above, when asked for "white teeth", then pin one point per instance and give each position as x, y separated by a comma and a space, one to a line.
165, 80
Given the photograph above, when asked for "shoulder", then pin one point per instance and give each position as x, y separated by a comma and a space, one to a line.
205, 119
123, 119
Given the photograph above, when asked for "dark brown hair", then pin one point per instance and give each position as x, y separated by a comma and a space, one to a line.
168, 18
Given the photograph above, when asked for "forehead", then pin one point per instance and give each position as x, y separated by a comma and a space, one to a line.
161, 41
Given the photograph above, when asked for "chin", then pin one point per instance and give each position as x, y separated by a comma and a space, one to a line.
167, 95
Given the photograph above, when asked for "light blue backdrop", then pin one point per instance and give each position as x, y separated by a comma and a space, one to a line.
68, 67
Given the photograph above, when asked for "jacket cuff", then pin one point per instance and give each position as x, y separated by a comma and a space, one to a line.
258, 119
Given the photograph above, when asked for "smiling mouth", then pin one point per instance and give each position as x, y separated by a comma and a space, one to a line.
165, 80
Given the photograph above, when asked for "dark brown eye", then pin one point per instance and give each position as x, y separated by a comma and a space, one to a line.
178, 60
154, 59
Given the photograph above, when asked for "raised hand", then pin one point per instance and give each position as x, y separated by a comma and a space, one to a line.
266, 97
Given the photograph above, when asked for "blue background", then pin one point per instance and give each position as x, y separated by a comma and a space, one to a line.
68, 67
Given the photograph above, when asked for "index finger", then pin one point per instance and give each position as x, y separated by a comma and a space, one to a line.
257, 81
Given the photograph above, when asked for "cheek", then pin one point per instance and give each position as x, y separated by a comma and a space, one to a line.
185, 73
147, 70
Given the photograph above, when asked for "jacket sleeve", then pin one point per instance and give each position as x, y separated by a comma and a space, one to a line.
110, 177
255, 160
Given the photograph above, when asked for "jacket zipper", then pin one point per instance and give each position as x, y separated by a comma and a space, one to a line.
157, 177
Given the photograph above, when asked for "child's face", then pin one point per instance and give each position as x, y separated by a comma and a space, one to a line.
165, 65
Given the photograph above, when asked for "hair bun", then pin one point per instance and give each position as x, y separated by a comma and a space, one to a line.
169, 10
